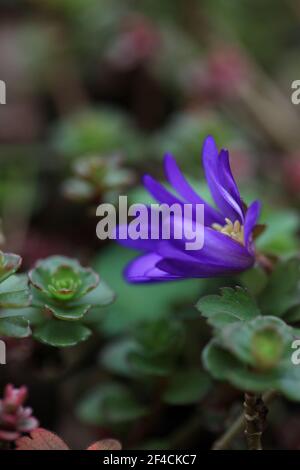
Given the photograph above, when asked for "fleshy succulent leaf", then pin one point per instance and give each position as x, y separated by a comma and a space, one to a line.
61, 334
9, 264
14, 292
69, 313
14, 327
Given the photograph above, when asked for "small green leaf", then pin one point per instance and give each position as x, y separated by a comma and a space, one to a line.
60, 333
14, 327
231, 306
187, 387
108, 404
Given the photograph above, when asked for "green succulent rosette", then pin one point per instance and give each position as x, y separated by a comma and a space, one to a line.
255, 355
97, 177
62, 293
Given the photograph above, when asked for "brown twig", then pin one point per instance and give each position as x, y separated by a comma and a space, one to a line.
255, 413
237, 426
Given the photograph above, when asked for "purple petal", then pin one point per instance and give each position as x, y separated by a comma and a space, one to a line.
220, 182
183, 188
121, 235
143, 269
218, 248
159, 192
194, 270
251, 219
227, 176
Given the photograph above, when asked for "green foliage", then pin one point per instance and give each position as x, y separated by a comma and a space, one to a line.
231, 306
136, 304
14, 294
96, 177
281, 234
110, 403
251, 348
61, 334
9, 264
184, 134
187, 387
255, 355
158, 344
63, 292
282, 291
14, 327
94, 132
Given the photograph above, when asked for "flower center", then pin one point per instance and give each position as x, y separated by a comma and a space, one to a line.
233, 230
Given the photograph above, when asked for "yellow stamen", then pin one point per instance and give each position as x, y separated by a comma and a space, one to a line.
233, 230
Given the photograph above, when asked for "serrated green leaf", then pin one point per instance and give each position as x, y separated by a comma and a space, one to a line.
187, 387
61, 333
231, 306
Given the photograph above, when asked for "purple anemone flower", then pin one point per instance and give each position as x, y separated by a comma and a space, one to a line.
228, 228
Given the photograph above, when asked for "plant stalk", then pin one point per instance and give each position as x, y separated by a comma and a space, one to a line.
255, 414
223, 442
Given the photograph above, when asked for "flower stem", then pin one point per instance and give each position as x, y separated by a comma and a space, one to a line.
237, 426
255, 413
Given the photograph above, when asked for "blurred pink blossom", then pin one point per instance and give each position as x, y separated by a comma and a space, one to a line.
14, 418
